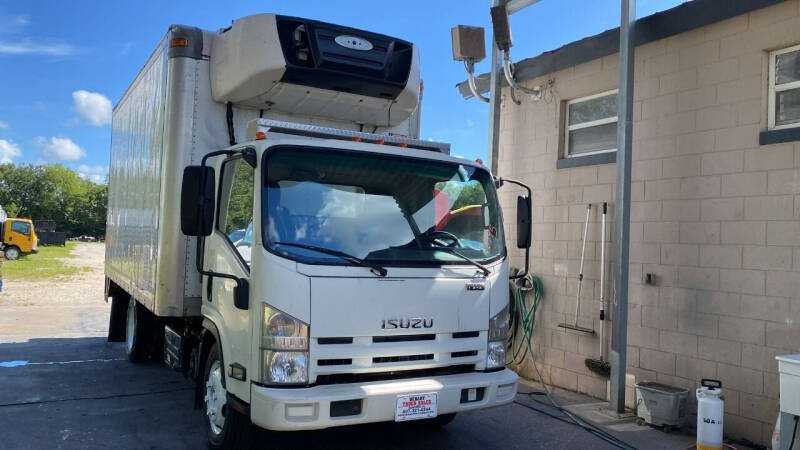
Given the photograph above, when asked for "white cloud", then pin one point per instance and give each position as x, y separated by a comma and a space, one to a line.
8, 150
13, 26
60, 149
4, 125
92, 106
10, 25
29, 47
96, 174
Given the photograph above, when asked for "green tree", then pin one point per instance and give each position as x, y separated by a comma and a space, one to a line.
54, 192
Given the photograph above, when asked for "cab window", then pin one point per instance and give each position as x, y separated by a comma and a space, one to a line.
235, 217
21, 227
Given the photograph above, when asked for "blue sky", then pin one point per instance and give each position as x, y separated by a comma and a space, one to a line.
65, 63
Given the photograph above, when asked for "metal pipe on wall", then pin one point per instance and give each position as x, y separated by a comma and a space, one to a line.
622, 207
495, 88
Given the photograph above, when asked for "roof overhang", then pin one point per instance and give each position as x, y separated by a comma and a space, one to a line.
680, 19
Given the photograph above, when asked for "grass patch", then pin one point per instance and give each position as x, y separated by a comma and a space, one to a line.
47, 264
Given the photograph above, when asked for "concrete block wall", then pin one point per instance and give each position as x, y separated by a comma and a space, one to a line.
715, 217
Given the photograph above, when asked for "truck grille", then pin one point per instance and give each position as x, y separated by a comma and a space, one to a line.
341, 378
389, 359
339, 358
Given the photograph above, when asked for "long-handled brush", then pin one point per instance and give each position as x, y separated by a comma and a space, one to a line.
574, 326
601, 366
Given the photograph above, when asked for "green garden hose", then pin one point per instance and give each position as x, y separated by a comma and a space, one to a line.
523, 316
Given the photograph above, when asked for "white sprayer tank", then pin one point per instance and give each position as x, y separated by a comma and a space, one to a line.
710, 409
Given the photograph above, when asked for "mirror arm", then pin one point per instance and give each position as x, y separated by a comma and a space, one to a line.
240, 282
499, 182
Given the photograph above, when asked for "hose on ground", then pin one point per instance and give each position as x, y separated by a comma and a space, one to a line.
521, 327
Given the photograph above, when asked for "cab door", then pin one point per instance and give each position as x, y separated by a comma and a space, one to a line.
228, 252
18, 234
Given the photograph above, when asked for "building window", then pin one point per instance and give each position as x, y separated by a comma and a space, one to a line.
591, 125
784, 88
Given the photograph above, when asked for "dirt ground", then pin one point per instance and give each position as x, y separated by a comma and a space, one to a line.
81, 294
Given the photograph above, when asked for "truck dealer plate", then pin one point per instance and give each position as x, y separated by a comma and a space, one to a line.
414, 407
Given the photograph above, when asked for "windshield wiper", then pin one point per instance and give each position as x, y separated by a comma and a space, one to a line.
452, 251
374, 268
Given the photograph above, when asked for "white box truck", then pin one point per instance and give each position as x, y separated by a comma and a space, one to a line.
277, 232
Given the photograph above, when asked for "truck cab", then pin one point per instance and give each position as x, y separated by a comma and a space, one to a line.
374, 291
18, 238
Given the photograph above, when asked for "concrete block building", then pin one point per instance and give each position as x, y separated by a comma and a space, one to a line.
715, 215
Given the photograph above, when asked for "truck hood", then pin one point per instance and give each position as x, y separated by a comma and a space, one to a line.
373, 306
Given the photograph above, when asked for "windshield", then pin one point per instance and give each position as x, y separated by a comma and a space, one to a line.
379, 208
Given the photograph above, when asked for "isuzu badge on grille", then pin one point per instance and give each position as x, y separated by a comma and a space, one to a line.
411, 322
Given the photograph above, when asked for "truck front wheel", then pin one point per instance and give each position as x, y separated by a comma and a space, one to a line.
12, 253
226, 428
138, 332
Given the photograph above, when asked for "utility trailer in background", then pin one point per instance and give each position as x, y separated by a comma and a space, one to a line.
277, 232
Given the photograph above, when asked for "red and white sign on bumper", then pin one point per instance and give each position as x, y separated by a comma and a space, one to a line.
414, 407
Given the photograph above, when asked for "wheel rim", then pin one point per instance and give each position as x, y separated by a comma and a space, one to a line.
130, 328
12, 253
215, 399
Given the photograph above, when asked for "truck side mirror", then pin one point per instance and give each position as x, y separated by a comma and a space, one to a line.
197, 201
523, 221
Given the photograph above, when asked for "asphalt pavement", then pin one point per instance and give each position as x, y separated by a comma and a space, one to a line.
63, 386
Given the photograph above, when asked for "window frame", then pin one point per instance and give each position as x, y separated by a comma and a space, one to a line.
217, 228
774, 89
593, 123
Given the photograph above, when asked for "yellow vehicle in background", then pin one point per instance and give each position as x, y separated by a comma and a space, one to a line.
17, 237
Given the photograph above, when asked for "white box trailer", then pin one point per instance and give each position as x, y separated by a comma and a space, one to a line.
277, 232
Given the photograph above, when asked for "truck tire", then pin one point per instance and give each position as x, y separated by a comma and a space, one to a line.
226, 428
138, 332
12, 253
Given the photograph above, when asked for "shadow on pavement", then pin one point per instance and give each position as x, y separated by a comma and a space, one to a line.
82, 393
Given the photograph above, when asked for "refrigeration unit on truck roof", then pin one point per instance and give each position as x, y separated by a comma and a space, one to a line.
311, 68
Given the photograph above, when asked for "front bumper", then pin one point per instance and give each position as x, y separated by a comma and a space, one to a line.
309, 408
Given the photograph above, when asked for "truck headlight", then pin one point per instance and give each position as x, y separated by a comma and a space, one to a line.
284, 348
284, 367
498, 333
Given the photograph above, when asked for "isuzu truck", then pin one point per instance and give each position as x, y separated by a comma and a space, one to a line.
278, 232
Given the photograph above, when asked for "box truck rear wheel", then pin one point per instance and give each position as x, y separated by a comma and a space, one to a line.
226, 428
12, 253
138, 332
